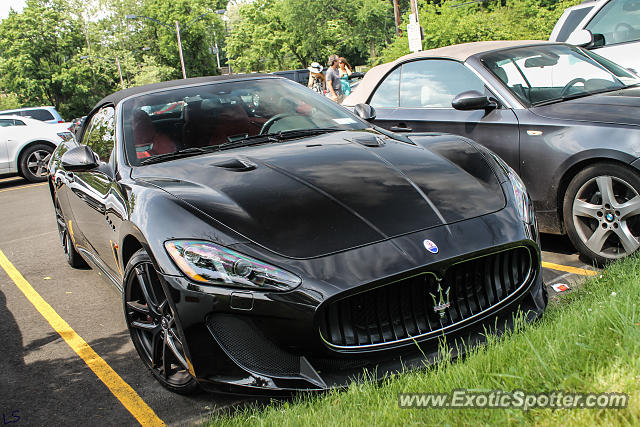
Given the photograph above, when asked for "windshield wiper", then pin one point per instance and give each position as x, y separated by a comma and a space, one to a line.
248, 140
299, 133
283, 135
242, 142
575, 96
192, 151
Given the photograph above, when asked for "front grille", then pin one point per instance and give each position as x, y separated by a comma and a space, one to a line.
419, 306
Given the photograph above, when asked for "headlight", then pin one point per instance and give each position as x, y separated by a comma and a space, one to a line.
523, 202
207, 262
524, 205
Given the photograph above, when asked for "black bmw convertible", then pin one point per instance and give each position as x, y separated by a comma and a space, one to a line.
264, 237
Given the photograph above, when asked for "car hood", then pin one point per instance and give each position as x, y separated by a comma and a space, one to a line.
320, 195
618, 107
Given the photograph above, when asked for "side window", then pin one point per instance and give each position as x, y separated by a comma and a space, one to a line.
572, 21
6, 123
18, 123
618, 21
100, 135
386, 95
433, 83
38, 114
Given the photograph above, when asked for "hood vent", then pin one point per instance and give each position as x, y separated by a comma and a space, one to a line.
236, 165
368, 140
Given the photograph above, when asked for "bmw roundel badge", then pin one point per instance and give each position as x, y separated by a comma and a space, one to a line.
430, 246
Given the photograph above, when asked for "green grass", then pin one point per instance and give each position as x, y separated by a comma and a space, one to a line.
588, 341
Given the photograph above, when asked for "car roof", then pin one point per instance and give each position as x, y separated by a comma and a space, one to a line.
458, 52
117, 97
45, 107
16, 117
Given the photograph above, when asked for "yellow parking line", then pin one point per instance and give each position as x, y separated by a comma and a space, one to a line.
23, 186
120, 389
569, 269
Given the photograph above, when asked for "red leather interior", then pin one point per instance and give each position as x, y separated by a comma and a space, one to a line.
145, 135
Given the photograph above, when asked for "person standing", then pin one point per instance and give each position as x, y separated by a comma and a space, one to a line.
344, 68
316, 78
333, 80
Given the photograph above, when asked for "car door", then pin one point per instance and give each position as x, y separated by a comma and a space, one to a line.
416, 97
5, 137
91, 191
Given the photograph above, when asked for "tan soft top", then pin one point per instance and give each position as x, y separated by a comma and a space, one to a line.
459, 52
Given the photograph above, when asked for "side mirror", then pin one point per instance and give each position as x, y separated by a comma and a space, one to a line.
79, 159
582, 38
365, 111
472, 100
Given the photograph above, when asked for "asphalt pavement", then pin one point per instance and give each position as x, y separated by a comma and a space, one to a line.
46, 376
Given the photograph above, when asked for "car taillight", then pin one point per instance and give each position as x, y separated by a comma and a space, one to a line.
60, 121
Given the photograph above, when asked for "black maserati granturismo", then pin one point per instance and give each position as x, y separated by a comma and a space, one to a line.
265, 238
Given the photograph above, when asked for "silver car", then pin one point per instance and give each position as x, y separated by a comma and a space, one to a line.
609, 27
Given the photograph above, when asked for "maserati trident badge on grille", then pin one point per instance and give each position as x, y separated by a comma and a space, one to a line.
441, 303
430, 246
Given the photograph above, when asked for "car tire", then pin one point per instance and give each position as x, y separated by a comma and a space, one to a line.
151, 324
74, 259
601, 212
34, 162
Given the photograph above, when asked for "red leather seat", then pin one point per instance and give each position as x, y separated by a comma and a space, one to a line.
147, 140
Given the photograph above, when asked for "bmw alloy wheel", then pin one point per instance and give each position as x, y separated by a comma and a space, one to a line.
606, 216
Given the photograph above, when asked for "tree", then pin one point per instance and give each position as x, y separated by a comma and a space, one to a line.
280, 34
444, 25
200, 27
38, 49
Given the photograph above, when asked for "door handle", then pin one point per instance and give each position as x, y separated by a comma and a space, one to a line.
402, 127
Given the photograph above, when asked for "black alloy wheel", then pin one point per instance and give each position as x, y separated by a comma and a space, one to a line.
602, 212
34, 162
74, 259
152, 326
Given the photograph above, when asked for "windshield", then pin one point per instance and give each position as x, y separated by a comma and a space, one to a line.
191, 120
544, 74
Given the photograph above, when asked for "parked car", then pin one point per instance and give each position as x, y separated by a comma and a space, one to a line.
564, 118
44, 114
26, 146
76, 124
265, 237
610, 27
300, 76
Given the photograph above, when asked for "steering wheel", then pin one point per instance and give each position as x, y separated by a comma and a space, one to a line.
623, 26
267, 125
569, 85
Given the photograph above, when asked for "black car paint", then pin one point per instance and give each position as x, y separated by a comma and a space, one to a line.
574, 133
115, 209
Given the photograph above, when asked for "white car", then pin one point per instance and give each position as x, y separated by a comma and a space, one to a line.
611, 28
26, 146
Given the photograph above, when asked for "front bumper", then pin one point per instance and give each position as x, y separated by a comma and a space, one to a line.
241, 340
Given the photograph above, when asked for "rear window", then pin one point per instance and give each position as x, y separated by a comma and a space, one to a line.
38, 114
575, 17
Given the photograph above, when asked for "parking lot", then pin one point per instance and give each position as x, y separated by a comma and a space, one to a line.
47, 309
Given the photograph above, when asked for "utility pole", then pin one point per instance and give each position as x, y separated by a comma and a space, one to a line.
414, 31
414, 8
184, 73
396, 15
120, 72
